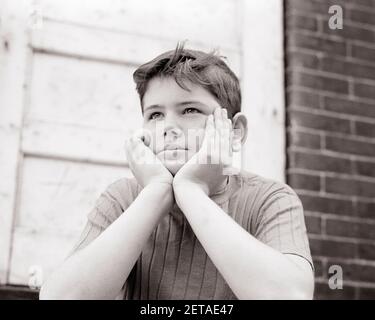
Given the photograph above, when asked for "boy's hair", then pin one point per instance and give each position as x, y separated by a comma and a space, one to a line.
205, 69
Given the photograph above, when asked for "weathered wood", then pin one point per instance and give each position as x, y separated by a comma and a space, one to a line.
18, 293
209, 21
74, 142
82, 104
116, 47
263, 87
80, 109
55, 198
13, 69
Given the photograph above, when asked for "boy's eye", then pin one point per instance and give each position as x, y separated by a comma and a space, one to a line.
155, 115
191, 110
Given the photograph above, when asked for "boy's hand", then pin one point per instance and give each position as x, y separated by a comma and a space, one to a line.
206, 168
144, 164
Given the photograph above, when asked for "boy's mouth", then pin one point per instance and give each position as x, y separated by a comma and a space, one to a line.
172, 147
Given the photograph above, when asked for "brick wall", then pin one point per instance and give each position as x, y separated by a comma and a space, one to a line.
330, 85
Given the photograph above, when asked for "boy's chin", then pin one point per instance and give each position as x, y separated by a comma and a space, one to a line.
173, 166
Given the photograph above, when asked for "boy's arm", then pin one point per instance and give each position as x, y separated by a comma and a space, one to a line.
99, 270
252, 269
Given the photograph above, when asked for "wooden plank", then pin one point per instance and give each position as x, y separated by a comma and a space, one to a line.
55, 199
18, 293
13, 68
117, 47
75, 142
209, 21
80, 109
263, 88
85, 93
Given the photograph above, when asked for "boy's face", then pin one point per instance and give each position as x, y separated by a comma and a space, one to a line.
176, 119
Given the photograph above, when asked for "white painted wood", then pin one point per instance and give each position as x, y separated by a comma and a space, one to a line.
55, 198
13, 68
102, 44
209, 21
82, 104
263, 87
80, 109
84, 93
75, 142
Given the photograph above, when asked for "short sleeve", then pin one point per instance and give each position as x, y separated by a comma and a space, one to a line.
108, 207
281, 223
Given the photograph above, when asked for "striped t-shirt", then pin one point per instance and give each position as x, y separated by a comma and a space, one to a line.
173, 263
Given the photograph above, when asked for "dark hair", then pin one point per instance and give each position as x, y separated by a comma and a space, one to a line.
205, 69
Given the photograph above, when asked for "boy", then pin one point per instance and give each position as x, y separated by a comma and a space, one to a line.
182, 228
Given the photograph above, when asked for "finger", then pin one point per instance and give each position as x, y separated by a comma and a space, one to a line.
210, 126
141, 135
224, 114
218, 119
225, 139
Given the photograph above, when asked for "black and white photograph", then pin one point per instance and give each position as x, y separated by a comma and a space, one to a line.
185, 150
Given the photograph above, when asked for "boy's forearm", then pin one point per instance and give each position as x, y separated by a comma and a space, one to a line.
100, 270
252, 269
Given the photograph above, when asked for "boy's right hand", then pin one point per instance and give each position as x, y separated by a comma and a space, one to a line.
144, 164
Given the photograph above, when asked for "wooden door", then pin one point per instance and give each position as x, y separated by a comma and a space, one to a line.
67, 103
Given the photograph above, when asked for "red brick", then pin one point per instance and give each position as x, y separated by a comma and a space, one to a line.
332, 248
361, 16
365, 273
317, 7
364, 90
327, 205
368, 3
318, 122
366, 293
366, 209
299, 98
365, 129
322, 83
318, 266
365, 168
319, 162
350, 229
336, 227
348, 269
362, 52
303, 139
351, 146
316, 43
311, 55
299, 21
303, 60
350, 32
366, 251
313, 224
323, 292
340, 66
350, 187
304, 181
353, 271
347, 106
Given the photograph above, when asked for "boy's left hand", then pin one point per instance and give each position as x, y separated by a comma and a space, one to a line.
206, 168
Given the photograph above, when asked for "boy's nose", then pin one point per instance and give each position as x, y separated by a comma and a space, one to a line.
171, 128
172, 132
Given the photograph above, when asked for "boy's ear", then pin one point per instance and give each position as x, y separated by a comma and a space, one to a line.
239, 123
